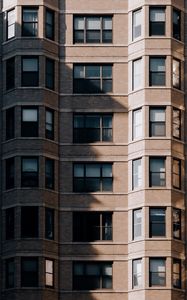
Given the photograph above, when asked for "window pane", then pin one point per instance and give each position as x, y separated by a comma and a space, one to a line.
137, 123
137, 173
107, 170
137, 223
137, 73
137, 273
93, 23
78, 170
92, 170
79, 23
107, 71
176, 73
137, 21
107, 23
92, 71
29, 115
29, 165
11, 19
177, 223
157, 115
157, 64
30, 64
176, 123
157, 14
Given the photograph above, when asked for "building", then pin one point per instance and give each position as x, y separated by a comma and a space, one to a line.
93, 150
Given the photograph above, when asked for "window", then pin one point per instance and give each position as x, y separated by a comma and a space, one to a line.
30, 71
10, 273
30, 21
136, 173
29, 122
137, 223
157, 172
92, 275
93, 29
177, 273
92, 79
49, 74
137, 74
49, 223
137, 123
176, 24
9, 223
136, 24
29, 271
176, 223
29, 172
157, 222
49, 124
49, 273
10, 173
29, 222
157, 123
49, 173
157, 272
137, 273
176, 74
157, 21
92, 177
176, 123
10, 123
92, 128
11, 20
49, 24
10, 73
92, 226
157, 71
176, 173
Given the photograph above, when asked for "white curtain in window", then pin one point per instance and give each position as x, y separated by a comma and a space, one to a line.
157, 115
137, 73
137, 123
157, 15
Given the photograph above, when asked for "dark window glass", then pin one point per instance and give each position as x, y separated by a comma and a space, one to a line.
49, 173
92, 226
157, 21
49, 24
49, 273
10, 73
29, 271
49, 124
157, 71
157, 222
30, 21
29, 174
30, 71
10, 223
176, 123
176, 74
92, 79
176, 223
50, 74
157, 171
10, 273
10, 123
176, 24
92, 178
10, 173
92, 275
157, 272
49, 223
29, 222
157, 121
11, 20
92, 128
29, 122
176, 173
177, 273
93, 29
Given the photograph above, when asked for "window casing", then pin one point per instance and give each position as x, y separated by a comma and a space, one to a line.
29, 122
93, 177
136, 173
176, 273
10, 273
92, 275
176, 123
157, 172
30, 71
157, 123
10, 123
49, 273
10, 73
176, 173
49, 173
137, 223
176, 223
29, 222
137, 124
10, 173
11, 20
50, 74
177, 24
157, 222
29, 173
137, 273
92, 79
49, 223
9, 223
92, 226
136, 24
89, 128
157, 272
157, 71
137, 74
92, 29
157, 20
176, 74
30, 21
49, 124
29, 272
49, 24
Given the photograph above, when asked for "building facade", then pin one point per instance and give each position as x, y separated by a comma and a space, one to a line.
92, 150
